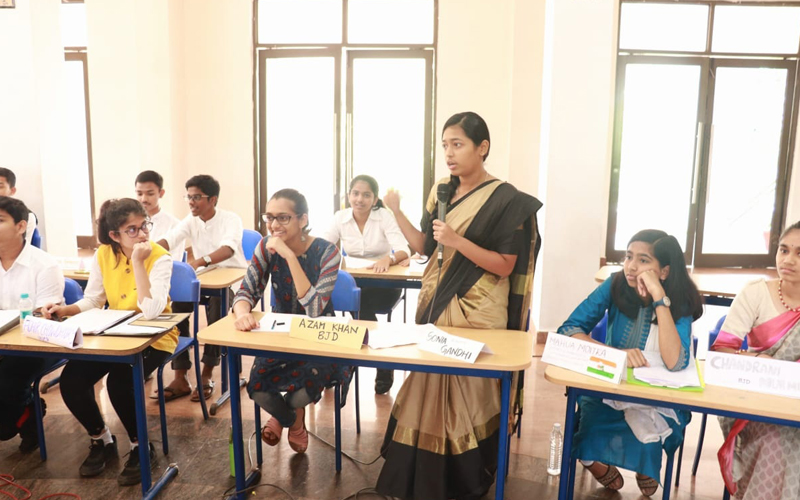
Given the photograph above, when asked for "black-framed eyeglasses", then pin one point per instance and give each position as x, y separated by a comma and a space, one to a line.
195, 197
133, 231
282, 219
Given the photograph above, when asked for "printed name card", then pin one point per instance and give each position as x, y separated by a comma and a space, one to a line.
328, 331
596, 360
62, 334
748, 373
451, 346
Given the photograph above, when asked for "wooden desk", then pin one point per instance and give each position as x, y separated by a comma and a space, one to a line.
711, 282
126, 350
715, 400
220, 278
512, 350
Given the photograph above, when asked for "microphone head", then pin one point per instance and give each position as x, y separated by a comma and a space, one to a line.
443, 192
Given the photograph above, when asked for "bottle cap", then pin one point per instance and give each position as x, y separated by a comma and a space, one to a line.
24, 296
556, 426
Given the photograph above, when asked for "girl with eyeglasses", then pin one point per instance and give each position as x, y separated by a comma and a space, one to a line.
303, 272
130, 273
367, 230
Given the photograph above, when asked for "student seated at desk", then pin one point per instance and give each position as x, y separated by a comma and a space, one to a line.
367, 230
8, 187
216, 236
651, 305
23, 269
303, 271
759, 460
149, 187
443, 432
130, 273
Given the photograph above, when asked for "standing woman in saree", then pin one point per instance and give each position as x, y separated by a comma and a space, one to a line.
758, 460
442, 438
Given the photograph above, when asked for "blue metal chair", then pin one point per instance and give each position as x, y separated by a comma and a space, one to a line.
72, 293
250, 240
36, 238
184, 287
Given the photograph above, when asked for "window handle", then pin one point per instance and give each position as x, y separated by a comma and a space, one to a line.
698, 148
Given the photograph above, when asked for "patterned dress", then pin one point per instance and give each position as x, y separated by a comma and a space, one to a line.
320, 264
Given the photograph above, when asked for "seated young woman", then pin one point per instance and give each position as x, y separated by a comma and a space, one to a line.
368, 230
303, 271
651, 305
759, 460
130, 273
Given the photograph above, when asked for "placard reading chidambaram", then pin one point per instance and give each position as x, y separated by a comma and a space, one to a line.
748, 373
596, 360
328, 331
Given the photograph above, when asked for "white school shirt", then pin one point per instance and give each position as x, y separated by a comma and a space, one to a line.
34, 272
381, 234
222, 230
162, 223
94, 297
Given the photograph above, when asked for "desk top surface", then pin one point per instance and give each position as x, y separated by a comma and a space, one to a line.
395, 272
712, 397
512, 349
221, 277
710, 281
92, 344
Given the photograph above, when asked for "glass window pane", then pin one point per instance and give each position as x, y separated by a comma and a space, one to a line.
756, 29
76, 159
389, 127
299, 21
299, 131
743, 167
390, 21
657, 153
73, 25
663, 27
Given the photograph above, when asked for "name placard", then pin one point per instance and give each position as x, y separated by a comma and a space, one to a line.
748, 373
328, 331
451, 346
596, 360
62, 334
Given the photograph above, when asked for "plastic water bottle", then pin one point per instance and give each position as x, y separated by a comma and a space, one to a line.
556, 443
25, 307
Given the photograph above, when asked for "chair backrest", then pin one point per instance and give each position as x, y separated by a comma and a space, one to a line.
346, 296
36, 238
72, 291
184, 285
250, 240
599, 331
712, 335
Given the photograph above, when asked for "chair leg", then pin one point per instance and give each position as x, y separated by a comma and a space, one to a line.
199, 375
699, 444
668, 477
39, 414
725, 494
680, 461
43, 388
259, 450
358, 406
337, 419
162, 409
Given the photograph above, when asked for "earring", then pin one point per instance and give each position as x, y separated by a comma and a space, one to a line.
303, 237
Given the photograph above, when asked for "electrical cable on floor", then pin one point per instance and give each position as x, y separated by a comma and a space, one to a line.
345, 453
368, 489
233, 491
8, 479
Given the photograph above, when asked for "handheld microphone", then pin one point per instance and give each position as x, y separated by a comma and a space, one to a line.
443, 193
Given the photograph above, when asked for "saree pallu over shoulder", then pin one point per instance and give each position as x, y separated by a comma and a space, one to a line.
487, 216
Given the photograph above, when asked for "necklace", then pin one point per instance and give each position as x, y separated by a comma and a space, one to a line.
780, 296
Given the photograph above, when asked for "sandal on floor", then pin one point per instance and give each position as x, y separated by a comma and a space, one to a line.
271, 433
647, 485
170, 394
609, 477
298, 439
208, 390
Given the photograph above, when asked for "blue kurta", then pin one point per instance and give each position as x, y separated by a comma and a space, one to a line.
602, 433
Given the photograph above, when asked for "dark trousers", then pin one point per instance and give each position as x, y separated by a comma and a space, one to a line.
77, 390
17, 375
377, 299
211, 353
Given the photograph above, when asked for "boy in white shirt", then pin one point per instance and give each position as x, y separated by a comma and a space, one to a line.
23, 269
8, 187
216, 236
149, 191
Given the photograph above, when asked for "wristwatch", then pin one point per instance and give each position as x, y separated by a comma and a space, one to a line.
393, 258
663, 302
207, 259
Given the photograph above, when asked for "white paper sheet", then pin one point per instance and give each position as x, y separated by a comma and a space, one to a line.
357, 263
53, 332
391, 335
658, 374
96, 321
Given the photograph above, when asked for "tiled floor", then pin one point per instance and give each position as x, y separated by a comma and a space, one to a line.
201, 451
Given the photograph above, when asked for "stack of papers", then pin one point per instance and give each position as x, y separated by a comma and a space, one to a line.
357, 263
657, 373
96, 321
